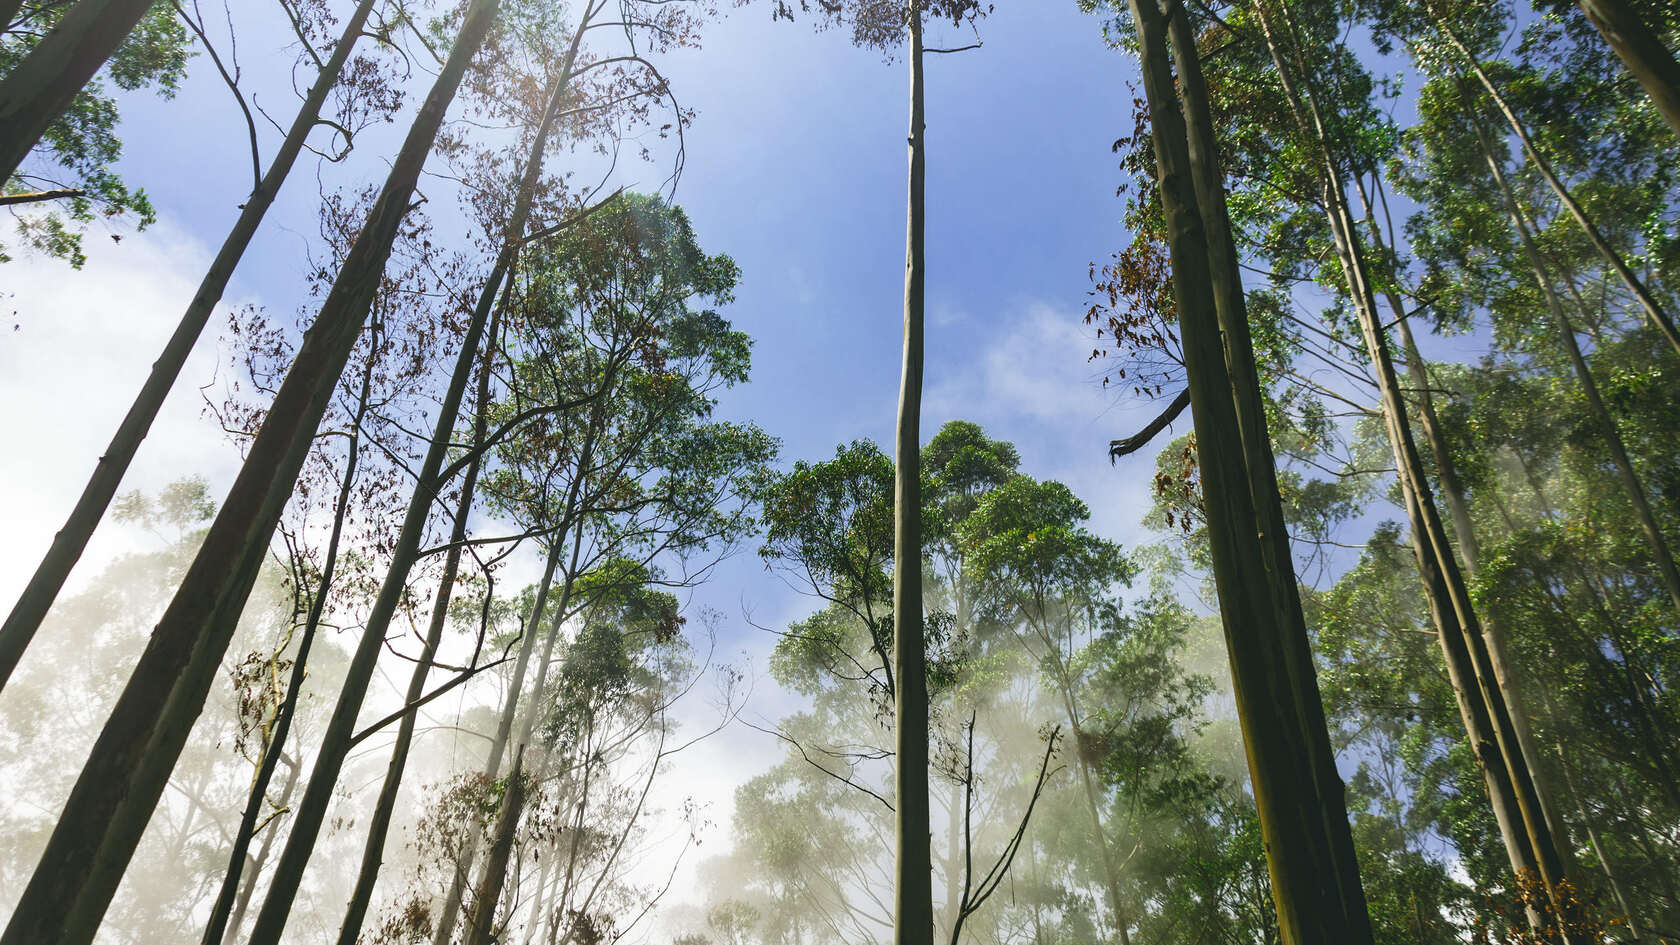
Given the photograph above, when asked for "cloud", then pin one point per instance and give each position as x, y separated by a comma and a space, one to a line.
1030, 382
76, 347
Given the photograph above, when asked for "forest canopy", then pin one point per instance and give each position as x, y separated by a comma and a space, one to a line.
484, 473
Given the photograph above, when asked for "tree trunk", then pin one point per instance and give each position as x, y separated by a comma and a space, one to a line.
1315, 889
489, 892
1543, 847
373, 851
120, 784
1660, 552
67, 546
445, 926
253, 872
494, 876
40, 87
1640, 47
1654, 310
913, 864
1231, 308
216, 928
1459, 508
341, 729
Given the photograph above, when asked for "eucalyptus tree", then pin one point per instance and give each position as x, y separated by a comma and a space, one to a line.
1299, 795
1468, 56
126, 772
55, 708
40, 85
618, 307
71, 540
884, 27
1636, 32
383, 373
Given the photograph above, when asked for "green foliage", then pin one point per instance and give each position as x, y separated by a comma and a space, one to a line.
79, 150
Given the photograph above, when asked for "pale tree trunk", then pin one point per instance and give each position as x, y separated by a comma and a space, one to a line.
1542, 845
1659, 316
494, 876
1092, 796
216, 928
1459, 508
1662, 556
373, 851
120, 784
1315, 890
913, 862
67, 547
1640, 47
39, 88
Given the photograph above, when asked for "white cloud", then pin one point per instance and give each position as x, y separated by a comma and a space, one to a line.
77, 347
1031, 383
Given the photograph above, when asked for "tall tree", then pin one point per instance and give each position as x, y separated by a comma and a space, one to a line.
41, 86
1315, 881
71, 540
122, 779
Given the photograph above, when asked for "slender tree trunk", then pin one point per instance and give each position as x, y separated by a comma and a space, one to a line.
1543, 846
913, 863
373, 851
1592, 832
1661, 555
569, 524
1318, 900
216, 928
1640, 47
1459, 508
1659, 316
67, 547
1231, 308
1111, 870
336, 741
253, 870
483, 919
39, 88
494, 877
498, 745
120, 784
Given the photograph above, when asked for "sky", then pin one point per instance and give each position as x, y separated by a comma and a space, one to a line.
796, 168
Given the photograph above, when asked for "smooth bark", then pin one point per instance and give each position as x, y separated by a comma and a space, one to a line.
1300, 820
121, 782
220, 913
1640, 47
913, 863
71, 540
1469, 548
341, 728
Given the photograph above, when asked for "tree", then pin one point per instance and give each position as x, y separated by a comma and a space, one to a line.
1315, 881
130, 763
